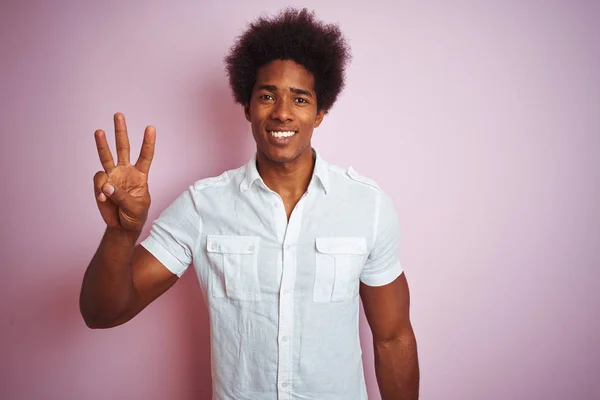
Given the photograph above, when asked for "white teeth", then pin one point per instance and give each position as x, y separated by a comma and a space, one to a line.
282, 134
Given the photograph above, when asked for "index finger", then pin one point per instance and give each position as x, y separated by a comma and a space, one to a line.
147, 151
106, 158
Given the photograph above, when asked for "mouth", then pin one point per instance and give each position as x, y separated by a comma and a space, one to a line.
282, 134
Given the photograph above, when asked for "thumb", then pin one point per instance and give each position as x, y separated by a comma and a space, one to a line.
118, 196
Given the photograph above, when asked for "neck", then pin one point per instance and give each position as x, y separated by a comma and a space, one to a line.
290, 179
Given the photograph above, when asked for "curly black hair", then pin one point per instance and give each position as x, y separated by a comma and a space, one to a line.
291, 35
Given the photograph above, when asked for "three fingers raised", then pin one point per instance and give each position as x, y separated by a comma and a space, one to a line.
123, 149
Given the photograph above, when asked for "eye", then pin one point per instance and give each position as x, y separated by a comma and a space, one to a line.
301, 100
266, 97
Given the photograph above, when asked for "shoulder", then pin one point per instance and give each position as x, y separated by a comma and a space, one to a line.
223, 180
356, 177
205, 183
189, 200
349, 176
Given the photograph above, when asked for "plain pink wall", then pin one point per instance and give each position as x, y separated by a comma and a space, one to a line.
480, 119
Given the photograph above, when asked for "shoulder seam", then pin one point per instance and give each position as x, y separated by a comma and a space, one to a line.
362, 179
224, 178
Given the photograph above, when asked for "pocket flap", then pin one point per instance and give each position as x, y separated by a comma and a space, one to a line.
232, 244
341, 245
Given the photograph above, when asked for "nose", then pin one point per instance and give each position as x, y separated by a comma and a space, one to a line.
282, 111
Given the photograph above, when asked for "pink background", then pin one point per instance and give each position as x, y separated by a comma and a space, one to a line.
480, 119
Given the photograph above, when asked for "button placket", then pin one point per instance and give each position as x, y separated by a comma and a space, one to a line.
286, 322
286, 300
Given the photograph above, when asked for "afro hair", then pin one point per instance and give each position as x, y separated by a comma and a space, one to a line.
291, 35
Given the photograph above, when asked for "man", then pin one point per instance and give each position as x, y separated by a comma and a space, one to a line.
283, 246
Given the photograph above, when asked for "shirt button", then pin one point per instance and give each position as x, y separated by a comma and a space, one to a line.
284, 384
284, 339
251, 247
213, 246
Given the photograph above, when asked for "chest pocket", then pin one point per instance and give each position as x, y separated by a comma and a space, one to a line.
233, 267
338, 266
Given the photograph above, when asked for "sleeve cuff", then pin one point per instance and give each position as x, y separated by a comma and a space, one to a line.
384, 278
162, 254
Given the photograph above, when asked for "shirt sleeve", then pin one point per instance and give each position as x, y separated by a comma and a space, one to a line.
382, 265
173, 235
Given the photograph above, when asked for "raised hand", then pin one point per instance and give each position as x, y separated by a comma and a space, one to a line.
122, 190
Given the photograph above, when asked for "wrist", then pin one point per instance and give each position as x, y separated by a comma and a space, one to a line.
120, 235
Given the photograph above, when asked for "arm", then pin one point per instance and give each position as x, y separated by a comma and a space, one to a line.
120, 281
396, 363
121, 278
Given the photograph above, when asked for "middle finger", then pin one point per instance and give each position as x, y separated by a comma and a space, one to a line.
121, 139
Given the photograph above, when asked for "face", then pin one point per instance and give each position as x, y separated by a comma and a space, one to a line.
283, 111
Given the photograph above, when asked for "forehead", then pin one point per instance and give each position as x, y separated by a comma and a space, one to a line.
285, 73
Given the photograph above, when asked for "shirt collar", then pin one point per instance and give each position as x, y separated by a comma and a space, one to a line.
252, 174
321, 171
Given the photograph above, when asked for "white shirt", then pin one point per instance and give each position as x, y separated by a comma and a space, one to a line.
283, 296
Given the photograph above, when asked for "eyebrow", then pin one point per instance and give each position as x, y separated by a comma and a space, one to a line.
273, 88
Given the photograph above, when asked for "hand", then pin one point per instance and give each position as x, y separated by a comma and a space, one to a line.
122, 191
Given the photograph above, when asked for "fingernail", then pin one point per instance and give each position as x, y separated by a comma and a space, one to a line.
101, 197
109, 189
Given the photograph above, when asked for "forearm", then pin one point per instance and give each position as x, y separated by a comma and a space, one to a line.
107, 290
397, 367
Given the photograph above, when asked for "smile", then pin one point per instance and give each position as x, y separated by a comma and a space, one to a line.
282, 134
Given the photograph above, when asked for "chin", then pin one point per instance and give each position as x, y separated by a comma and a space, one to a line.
279, 155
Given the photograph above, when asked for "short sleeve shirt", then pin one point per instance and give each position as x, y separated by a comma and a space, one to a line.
282, 295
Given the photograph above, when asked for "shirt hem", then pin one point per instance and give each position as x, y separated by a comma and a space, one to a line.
162, 254
383, 279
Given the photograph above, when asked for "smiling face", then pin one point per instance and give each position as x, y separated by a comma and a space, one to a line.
283, 111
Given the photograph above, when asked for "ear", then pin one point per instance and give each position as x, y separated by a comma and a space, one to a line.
247, 112
319, 118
